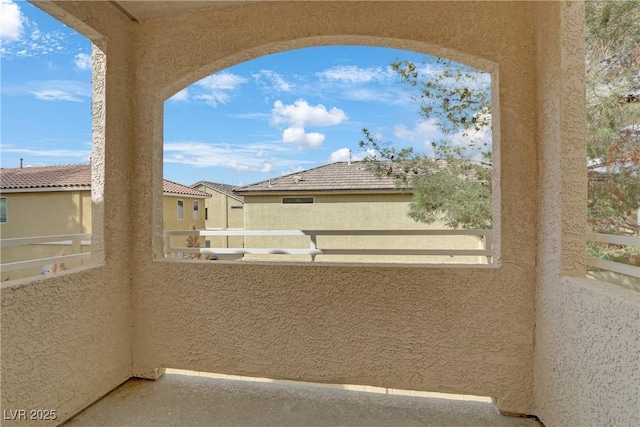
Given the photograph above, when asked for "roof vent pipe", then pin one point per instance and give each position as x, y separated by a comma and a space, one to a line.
20, 162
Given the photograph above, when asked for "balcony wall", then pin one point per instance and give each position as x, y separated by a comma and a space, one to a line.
587, 356
467, 330
66, 340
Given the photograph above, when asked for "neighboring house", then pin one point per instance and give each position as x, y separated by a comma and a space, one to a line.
342, 196
223, 210
56, 200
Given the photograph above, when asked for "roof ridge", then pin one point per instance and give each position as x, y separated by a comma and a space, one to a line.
295, 173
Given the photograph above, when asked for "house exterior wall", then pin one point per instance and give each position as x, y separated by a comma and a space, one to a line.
222, 214
170, 219
348, 212
53, 213
47, 213
44, 214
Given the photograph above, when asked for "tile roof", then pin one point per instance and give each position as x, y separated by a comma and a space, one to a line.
334, 177
175, 188
225, 189
68, 177
63, 176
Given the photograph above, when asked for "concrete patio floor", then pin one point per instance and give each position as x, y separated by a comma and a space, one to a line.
197, 399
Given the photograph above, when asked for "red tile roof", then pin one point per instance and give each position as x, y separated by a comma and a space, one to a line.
63, 176
175, 188
67, 177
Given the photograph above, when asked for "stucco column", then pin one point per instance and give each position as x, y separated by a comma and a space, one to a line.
147, 184
561, 139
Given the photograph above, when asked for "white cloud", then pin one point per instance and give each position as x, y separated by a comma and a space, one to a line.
251, 116
355, 74
79, 155
14, 42
301, 114
481, 139
402, 132
345, 155
426, 130
222, 81
253, 157
218, 87
275, 79
11, 20
298, 136
181, 96
83, 61
51, 90
470, 77
55, 95
363, 94
214, 99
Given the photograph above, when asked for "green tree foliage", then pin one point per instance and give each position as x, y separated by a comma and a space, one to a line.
613, 114
453, 185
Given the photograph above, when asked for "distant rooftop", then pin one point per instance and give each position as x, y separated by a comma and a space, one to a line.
68, 177
225, 189
335, 177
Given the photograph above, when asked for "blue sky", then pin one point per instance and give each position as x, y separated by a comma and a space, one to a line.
260, 119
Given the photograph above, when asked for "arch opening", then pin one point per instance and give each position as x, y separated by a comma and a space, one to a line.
284, 142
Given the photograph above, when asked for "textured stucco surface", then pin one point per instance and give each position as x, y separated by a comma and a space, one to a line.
337, 324
464, 330
468, 331
587, 355
66, 340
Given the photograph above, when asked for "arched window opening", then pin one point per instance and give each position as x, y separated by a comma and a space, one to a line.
333, 154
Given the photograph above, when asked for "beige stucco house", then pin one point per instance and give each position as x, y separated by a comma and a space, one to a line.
342, 196
530, 330
56, 200
223, 210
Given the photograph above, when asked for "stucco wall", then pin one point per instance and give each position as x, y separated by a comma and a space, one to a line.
66, 339
587, 355
465, 330
280, 320
348, 212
